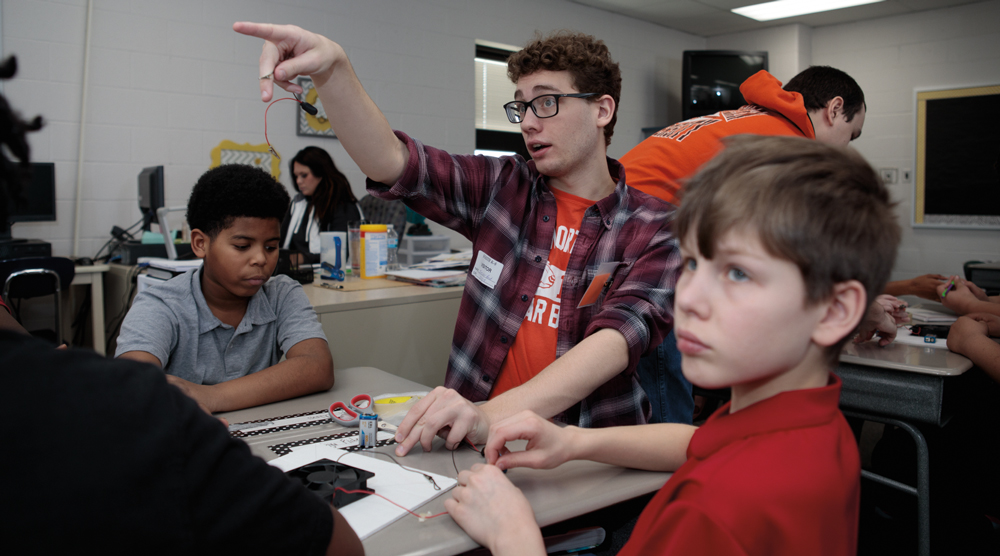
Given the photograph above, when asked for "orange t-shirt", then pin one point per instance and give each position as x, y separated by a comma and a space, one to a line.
534, 347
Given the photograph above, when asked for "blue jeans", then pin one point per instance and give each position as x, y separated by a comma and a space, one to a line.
668, 391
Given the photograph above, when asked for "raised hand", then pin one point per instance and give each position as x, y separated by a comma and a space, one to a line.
290, 51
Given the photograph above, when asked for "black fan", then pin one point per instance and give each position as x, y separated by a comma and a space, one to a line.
324, 477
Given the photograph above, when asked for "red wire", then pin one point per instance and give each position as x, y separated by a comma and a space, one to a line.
265, 120
389, 501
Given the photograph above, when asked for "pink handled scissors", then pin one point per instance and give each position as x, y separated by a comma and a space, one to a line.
348, 415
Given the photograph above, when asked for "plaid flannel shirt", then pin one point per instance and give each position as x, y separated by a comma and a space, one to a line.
506, 209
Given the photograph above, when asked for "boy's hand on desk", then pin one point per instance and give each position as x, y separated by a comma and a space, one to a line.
548, 444
894, 307
965, 331
989, 321
443, 412
494, 512
878, 321
959, 298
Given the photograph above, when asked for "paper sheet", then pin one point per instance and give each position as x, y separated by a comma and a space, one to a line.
372, 514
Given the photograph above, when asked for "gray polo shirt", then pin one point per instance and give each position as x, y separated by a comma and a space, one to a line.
173, 322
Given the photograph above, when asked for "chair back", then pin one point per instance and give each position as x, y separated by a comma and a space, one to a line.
35, 276
380, 211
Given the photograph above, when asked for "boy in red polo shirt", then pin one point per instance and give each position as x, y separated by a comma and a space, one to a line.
783, 241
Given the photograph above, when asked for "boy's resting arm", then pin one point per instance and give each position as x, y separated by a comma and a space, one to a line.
307, 368
149, 332
652, 447
290, 51
970, 336
924, 286
344, 541
497, 515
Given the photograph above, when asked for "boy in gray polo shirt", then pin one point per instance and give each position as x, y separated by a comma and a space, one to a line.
219, 331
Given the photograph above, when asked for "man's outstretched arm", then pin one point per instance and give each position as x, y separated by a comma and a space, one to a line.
290, 51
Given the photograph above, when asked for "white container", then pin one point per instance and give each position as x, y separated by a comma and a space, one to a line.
416, 249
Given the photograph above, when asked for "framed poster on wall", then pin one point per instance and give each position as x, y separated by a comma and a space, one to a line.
958, 158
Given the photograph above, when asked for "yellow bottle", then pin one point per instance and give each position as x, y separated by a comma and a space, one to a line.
373, 250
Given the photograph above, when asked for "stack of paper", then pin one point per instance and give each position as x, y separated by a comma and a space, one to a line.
435, 278
443, 261
166, 268
922, 314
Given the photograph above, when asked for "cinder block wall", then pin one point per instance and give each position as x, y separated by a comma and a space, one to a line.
890, 57
170, 80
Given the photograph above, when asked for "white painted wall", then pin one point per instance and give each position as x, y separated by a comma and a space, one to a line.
170, 80
890, 57
789, 47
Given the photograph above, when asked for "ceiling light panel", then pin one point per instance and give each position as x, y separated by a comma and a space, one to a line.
781, 9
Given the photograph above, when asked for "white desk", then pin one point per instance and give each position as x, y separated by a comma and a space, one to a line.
573, 489
406, 330
93, 276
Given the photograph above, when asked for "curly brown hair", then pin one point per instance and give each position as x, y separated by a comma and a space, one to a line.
586, 59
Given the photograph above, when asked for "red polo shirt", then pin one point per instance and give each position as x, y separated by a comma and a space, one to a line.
779, 478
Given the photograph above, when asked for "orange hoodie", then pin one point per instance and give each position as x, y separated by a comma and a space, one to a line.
658, 164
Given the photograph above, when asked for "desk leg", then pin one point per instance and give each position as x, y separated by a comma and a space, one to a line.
922, 491
97, 312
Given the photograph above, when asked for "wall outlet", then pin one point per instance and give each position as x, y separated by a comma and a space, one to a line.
889, 175
907, 176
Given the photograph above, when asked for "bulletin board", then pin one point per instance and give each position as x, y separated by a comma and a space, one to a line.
957, 175
229, 152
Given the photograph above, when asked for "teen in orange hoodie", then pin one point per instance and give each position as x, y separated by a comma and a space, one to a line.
820, 103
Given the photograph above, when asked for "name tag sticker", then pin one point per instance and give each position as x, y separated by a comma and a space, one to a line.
604, 273
487, 270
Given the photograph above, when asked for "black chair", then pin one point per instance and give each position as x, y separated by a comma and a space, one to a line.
380, 211
35, 277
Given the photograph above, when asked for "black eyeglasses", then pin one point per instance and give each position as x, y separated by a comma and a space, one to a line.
544, 106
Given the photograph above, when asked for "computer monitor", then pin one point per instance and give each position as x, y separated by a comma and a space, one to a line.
712, 79
150, 194
37, 201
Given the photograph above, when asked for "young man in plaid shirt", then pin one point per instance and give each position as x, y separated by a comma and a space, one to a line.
573, 272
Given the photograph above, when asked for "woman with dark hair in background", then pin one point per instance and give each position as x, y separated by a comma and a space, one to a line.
324, 203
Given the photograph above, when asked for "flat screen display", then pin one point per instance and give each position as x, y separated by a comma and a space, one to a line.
37, 201
712, 79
